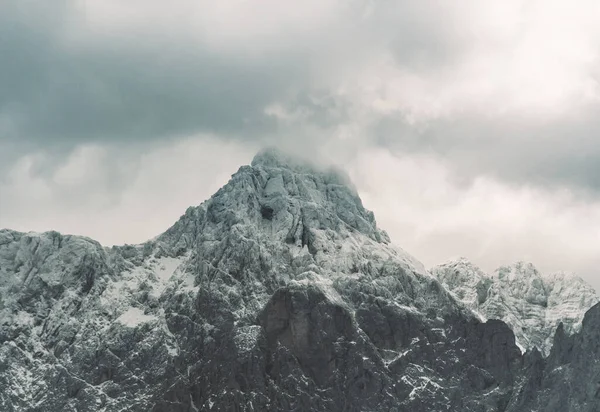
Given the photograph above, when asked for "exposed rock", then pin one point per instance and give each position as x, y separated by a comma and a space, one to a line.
279, 293
570, 378
533, 305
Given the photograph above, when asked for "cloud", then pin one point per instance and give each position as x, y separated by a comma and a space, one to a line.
139, 70
88, 72
117, 197
416, 200
555, 153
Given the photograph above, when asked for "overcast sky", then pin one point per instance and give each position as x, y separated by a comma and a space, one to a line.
470, 128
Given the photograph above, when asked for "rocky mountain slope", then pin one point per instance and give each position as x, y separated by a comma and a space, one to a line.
569, 378
533, 305
279, 293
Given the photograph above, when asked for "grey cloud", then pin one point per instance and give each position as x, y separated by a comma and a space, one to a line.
555, 152
127, 88
56, 94
154, 85
421, 36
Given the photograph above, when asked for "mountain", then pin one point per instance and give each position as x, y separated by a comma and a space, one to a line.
279, 293
569, 378
533, 305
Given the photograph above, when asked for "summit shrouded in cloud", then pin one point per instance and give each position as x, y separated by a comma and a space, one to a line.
470, 128
281, 292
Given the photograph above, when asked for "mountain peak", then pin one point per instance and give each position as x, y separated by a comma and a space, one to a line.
519, 271
459, 261
273, 157
459, 269
289, 204
531, 303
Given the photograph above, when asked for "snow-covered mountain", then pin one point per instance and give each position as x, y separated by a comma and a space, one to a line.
279, 293
533, 305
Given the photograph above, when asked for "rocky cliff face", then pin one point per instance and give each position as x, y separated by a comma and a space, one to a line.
279, 293
569, 379
531, 304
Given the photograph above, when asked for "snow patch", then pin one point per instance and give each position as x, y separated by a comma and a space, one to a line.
133, 317
164, 270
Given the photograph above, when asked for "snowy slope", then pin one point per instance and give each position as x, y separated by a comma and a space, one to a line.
531, 303
279, 293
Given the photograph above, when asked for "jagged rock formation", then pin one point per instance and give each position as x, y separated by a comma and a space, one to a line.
531, 304
569, 379
279, 293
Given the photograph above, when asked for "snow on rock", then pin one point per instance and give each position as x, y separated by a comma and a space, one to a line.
132, 317
280, 292
531, 303
467, 282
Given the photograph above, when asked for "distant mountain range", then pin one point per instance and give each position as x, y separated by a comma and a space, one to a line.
531, 304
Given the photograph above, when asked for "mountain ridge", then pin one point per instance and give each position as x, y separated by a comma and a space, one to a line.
278, 293
532, 303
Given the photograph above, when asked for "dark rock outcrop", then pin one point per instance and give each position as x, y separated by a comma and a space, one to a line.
569, 379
